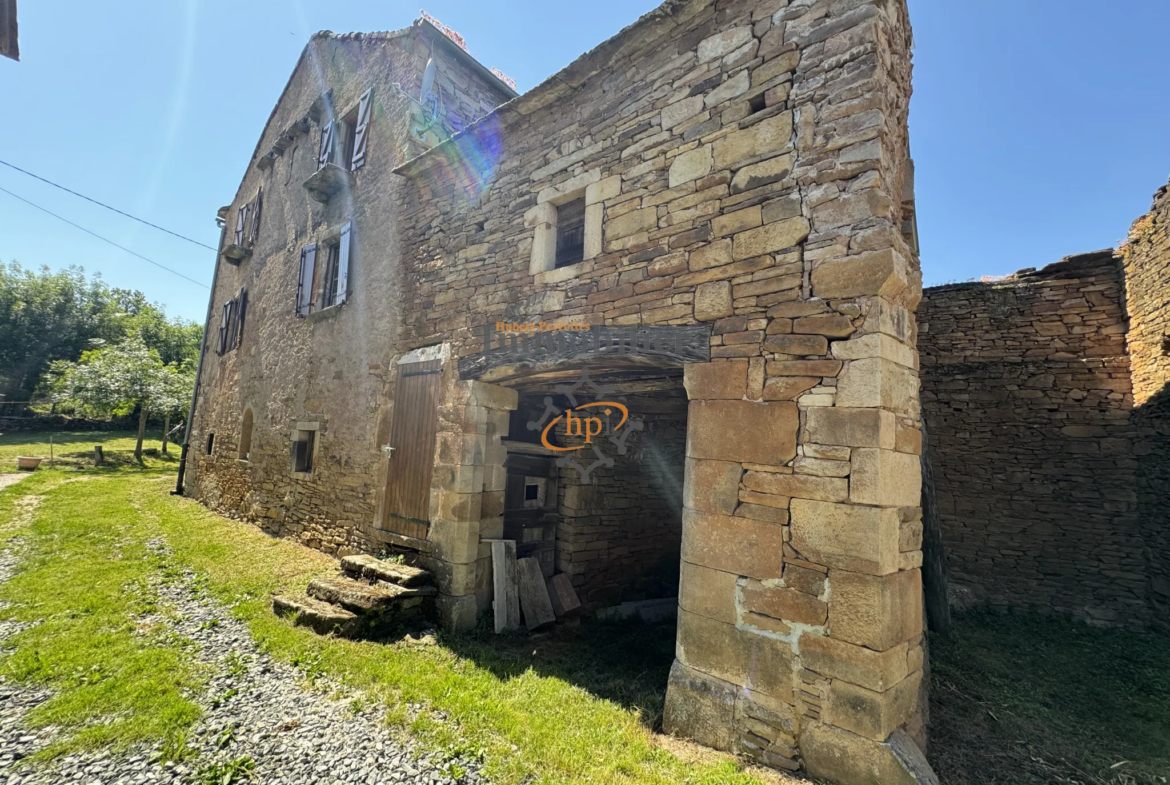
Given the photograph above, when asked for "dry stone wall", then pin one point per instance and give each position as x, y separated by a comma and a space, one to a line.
1027, 395
1147, 269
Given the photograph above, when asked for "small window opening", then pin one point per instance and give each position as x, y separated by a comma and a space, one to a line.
757, 103
329, 281
210, 442
571, 233
303, 451
480, 226
531, 492
1166, 345
246, 436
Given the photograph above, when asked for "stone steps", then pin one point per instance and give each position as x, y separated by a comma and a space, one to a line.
361, 597
367, 598
364, 566
320, 616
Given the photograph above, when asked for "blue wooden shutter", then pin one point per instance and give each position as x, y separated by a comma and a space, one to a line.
305, 284
343, 253
361, 132
325, 152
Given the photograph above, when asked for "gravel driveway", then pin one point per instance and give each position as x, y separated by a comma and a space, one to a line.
259, 714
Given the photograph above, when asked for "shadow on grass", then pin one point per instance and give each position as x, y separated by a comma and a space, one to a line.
1018, 698
626, 662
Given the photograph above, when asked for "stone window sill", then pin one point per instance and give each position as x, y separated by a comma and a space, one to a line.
325, 313
327, 181
243, 461
302, 475
566, 273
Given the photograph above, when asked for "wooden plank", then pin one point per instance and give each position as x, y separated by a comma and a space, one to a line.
504, 582
534, 600
564, 599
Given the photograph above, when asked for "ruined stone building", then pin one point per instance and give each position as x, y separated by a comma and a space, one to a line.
721, 192
1045, 397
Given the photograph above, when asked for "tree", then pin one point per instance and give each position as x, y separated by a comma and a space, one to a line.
48, 316
119, 379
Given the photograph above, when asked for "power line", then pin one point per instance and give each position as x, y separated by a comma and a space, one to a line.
103, 204
111, 242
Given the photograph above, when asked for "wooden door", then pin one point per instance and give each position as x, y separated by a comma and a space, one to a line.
412, 448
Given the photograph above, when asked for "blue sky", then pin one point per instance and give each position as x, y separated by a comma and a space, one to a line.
1039, 127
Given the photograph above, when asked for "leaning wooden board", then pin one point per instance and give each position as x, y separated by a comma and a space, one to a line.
534, 599
506, 604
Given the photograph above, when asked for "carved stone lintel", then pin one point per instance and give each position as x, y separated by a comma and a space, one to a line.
635, 345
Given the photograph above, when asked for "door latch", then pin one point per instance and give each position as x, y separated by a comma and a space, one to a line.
387, 450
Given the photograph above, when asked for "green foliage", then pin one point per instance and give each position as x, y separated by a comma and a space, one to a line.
47, 316
120, 378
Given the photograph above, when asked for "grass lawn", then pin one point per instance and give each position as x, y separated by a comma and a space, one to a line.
74, 449
1018, 698
1014, 699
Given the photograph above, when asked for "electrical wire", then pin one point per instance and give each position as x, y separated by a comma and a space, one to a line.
103, 204
103, 239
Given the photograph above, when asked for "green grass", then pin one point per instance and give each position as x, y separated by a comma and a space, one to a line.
74, 449
83, 570
528, 705
1015, 699
1018, 698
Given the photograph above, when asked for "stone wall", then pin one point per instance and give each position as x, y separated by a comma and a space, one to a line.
620, 534
1026, 391
1147, 270
334, 368
742, 165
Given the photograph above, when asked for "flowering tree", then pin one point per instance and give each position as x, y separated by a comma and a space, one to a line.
117, 379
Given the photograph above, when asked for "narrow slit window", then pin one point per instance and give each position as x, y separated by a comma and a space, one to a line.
571, 233
210, 442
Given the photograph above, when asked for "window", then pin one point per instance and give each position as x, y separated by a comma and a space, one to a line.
248, 221
231, 326
303, 448
210, 442
344, 141
246, 436
329, 281
570, 233
569, 226
325, 285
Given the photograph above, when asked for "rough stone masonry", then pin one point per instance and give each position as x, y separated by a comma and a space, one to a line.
1045, 396
738, 164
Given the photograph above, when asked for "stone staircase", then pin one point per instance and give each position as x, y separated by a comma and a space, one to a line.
368, 598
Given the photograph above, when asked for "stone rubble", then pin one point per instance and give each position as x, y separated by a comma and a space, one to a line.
254, 707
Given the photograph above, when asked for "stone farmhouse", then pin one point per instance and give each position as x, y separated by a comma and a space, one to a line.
722, 193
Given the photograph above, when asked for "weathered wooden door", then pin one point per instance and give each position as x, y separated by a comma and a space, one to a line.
412, 448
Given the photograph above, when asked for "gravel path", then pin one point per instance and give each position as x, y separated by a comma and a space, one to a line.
261, 719
11, 479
